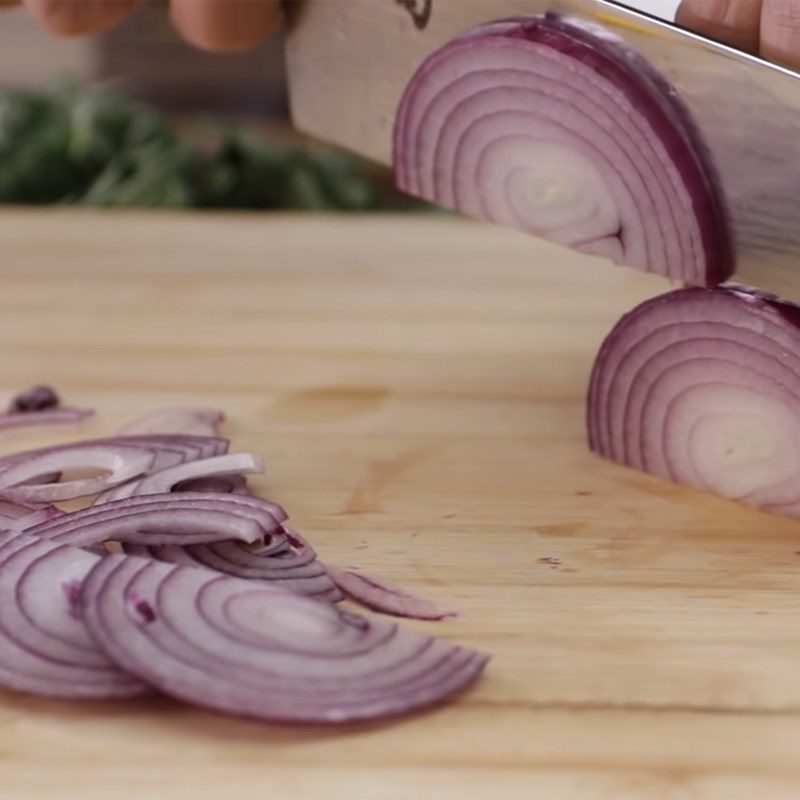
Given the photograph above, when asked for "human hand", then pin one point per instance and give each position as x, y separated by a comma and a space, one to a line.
770, 28
209, 24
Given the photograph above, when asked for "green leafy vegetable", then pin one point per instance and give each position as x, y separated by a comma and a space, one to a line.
99, 148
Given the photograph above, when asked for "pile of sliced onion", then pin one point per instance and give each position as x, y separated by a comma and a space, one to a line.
702, 387
556, 127
229, 608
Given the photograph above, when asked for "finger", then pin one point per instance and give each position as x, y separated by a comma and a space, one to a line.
780, 32
75, 17
735, 22
225, 24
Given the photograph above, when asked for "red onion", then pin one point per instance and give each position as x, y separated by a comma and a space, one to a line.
44, 645
38, 398
120, 459
198, 421
183, 519
166, 480
290, 562
701, 386
382, 597
254, 650
558, 128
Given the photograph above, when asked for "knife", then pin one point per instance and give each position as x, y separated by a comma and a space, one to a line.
350, 61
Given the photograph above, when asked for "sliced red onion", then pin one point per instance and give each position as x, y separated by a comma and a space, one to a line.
30, 519
386, 599
254, 650
286, 559
166, 480
560, 129
183, 519
702, 387
194, 420
44, 645
55, 416
120, 459
37, 398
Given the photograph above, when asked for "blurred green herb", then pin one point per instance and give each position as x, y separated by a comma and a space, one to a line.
99, 148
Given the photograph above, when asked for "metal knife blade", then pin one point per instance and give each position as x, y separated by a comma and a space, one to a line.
350, 60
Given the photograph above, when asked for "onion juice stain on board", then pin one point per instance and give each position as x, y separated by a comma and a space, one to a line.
329, 403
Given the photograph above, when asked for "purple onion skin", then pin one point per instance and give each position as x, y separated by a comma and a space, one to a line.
39, 398
702, 387
656, 102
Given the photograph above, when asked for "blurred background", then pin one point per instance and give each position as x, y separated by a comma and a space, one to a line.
136, 117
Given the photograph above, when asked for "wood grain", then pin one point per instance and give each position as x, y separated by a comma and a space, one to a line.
417, 388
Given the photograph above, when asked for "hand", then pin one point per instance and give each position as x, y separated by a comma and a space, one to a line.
770, 28
209, 24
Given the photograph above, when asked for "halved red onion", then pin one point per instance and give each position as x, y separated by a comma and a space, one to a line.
119, 458
254, 650
702, 387
44, 645
194, 420
386, 599
286, 559
165, 480
558, 128
185, 518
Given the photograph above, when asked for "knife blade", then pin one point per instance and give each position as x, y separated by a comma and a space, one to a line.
349, 62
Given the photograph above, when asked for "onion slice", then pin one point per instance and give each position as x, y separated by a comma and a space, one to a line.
557, 127
386, 599
185, 518
165, 480
702, 387
254, 650
287, 560
119, 459
194, 420
44, 646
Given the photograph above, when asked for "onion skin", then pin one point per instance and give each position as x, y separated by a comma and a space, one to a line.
702, 387
253, 650
556, 127
44, 646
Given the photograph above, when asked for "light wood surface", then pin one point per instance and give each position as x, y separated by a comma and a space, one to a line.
417, 388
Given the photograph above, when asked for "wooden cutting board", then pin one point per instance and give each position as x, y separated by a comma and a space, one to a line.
417, 388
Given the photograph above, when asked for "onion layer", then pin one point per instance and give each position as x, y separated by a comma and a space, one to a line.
255, 650
558, 128
287, 560
166, 480
702, 387
44, 645
119, 459
386, 599
185, 518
